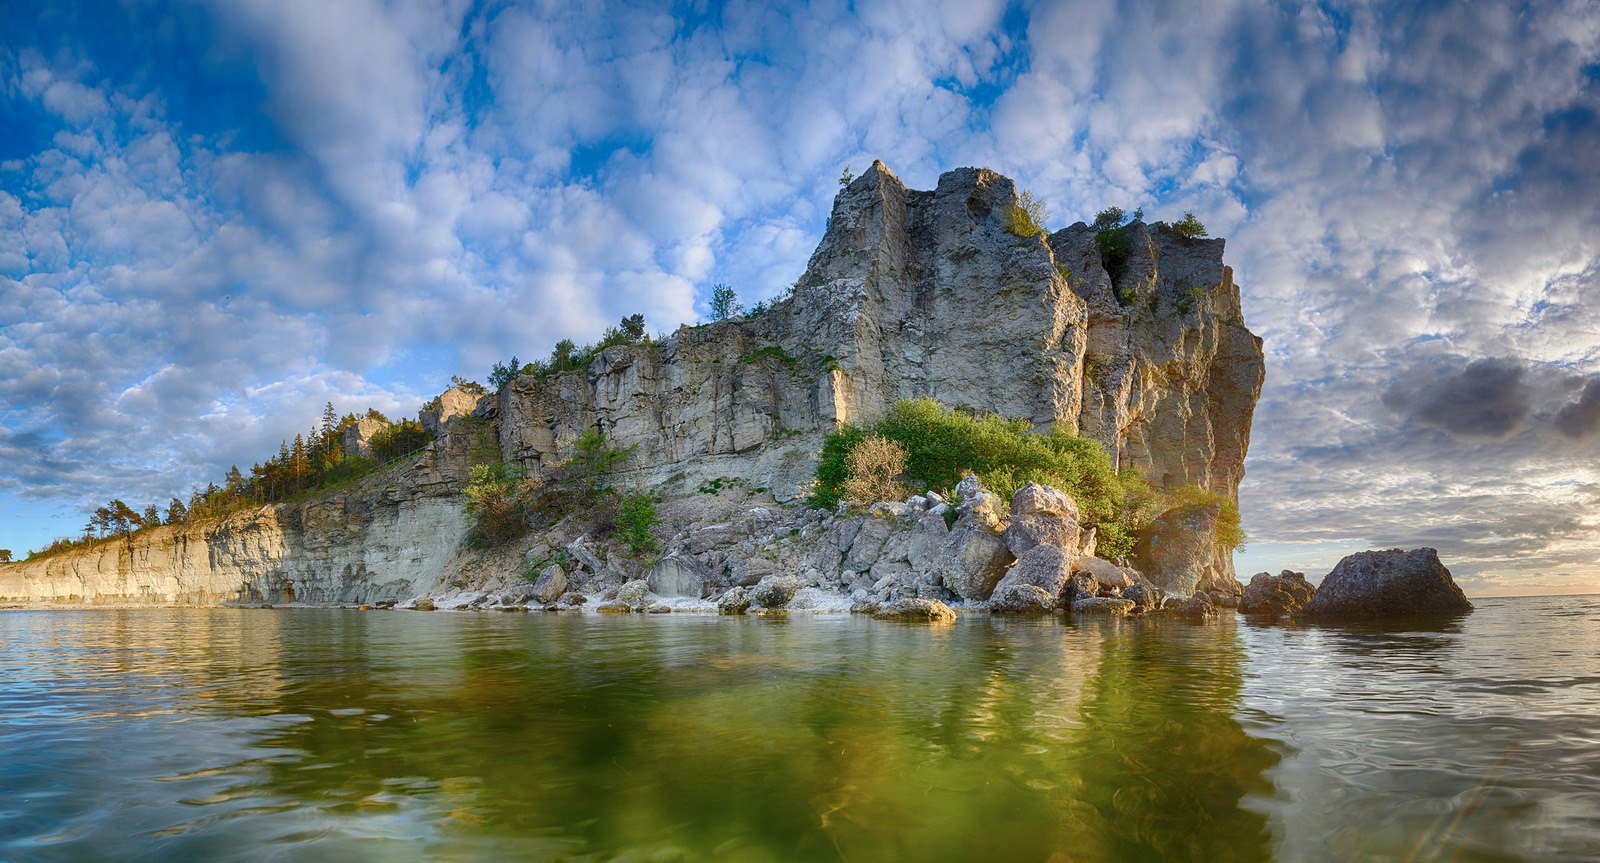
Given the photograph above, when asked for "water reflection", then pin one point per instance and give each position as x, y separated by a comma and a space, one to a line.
322, 734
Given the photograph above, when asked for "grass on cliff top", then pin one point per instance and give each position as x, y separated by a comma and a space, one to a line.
942, 445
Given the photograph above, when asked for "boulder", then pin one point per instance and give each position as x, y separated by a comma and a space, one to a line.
1145, 597
972, 560
1035, 529
977, 503
634, 593
1045, 567
614, 607
1035, 499
1106, 605
1393, 583
550, 584
423, 604
916, 611
1179, 546
677, 576
1021, 599
774, 591
735, 601
1196, 607
1080, 586
1283, 594
1104, 572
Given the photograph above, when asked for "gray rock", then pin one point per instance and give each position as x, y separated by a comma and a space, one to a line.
423, 604
916, 611
1035, 529
1278, 595
551, 583
580, 552
658, 608
1104, 572
1145, 597
1021, 599
677, 576
972, 560
614, 607
634, 593
926, 542
1035, 499
775, 591
868, 545
1045, 567
748, 572
735, 601
1394, 583
1106, 605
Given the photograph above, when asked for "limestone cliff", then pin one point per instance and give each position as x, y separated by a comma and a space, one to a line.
910, 293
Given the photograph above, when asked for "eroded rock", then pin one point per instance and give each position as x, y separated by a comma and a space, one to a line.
1281, 595
1393, 583
916, 611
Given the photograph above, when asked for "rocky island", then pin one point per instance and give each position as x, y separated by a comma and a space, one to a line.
1129, 336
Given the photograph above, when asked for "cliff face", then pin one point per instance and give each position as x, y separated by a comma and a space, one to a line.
910, 293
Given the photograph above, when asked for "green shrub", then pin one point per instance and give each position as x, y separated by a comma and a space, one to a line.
637, 517
497, 500
942, 445
1027, 216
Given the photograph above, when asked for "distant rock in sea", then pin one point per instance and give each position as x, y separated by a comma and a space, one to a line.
1393, 583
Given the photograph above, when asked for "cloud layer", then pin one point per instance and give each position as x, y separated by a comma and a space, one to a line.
249, 208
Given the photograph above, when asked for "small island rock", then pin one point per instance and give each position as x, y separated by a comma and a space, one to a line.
916, 611
1393, 583
1283, 594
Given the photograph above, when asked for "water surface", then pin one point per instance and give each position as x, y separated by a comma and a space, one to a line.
309, 734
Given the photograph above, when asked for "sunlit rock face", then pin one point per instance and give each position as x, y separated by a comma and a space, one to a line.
910, 293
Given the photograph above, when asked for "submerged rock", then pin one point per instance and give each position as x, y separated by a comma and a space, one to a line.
916, 611
1283, 594
1393, 583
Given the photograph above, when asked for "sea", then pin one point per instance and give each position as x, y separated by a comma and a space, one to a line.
198, 734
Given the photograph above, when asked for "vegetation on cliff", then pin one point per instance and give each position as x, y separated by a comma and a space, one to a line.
940, 445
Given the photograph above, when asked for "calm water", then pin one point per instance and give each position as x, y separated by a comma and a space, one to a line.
225, 734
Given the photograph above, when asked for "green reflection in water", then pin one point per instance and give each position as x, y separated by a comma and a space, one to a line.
780, 740
333, 735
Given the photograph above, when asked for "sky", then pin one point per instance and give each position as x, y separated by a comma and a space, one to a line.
217, 216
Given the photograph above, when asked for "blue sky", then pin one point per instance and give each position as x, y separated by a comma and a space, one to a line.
215, 217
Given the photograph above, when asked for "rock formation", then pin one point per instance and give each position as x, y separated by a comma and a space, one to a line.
910, 293
1393, 583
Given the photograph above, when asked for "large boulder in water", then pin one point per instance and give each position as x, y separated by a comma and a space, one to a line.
1283, 594
1393, 583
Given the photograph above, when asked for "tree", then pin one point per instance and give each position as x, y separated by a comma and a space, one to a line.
724, 303
500, 375
152, 516
633, 327
1190, 227
330, 421
846, 177
5, 555
1027, 216
1108, 219
176, 512
562, 355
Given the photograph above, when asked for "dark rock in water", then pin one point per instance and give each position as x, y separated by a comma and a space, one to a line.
1196, 607
1283, 594
1103, 605
1391, 583
1081, 585
1045, 567
1145, 597
916, 611
424, 605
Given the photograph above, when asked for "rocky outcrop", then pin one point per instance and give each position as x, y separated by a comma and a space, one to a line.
357, 439
910, 293
1393, 583
1280, 595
